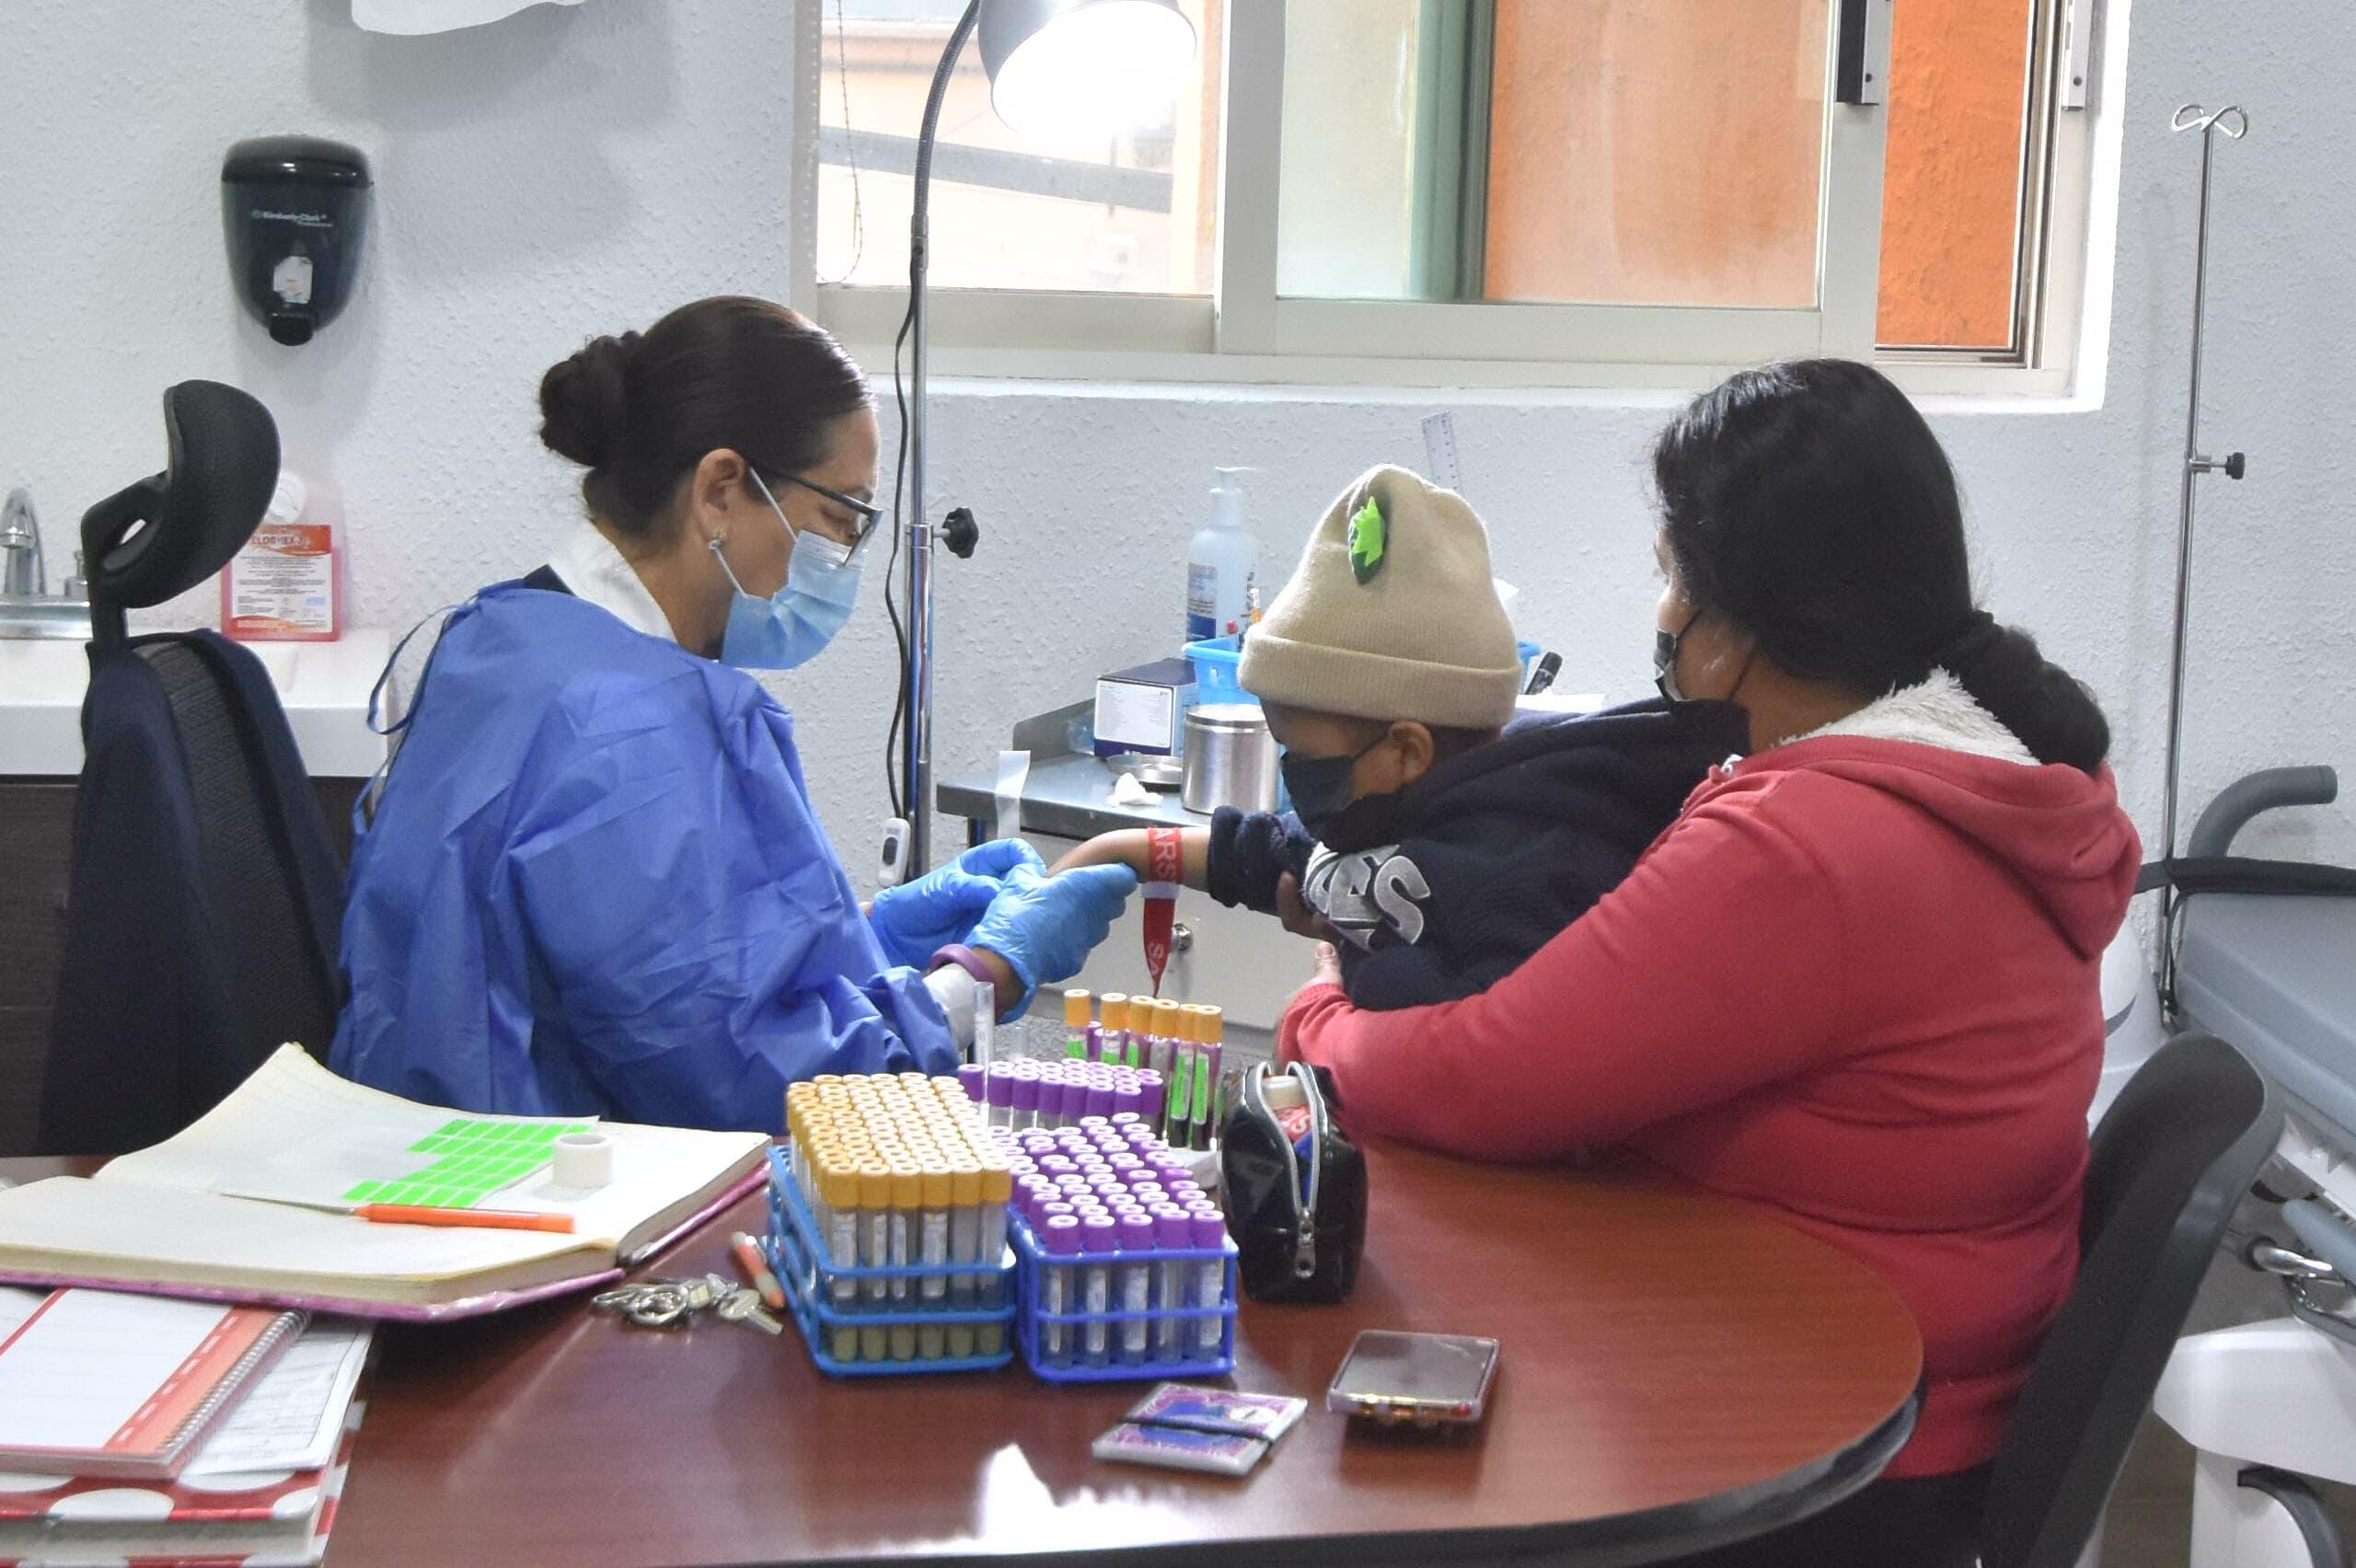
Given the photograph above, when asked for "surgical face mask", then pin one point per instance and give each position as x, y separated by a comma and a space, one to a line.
1665, 643
793, 624
1319, 788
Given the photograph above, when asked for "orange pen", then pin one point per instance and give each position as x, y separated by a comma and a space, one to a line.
478, 1219
757, 1269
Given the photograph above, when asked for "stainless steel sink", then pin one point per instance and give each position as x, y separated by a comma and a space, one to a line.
44, 618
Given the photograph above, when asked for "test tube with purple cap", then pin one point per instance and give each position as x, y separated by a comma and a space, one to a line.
1058, 1239
1211, 1277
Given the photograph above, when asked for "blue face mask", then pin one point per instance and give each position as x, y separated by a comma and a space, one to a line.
792, 626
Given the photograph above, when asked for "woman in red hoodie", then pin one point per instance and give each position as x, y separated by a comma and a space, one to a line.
1855, 981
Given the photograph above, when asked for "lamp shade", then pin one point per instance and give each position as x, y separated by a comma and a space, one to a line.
1083, 65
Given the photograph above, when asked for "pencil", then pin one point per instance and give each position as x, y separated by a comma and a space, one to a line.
480, 1219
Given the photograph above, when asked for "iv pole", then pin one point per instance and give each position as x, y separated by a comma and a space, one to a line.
2231, 124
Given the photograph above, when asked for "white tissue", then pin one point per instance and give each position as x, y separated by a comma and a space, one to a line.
1128, 792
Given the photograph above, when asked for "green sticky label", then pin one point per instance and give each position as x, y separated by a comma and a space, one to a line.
1367, 540
1203, 1094
1074, 1045
364, 1192
1182, 1071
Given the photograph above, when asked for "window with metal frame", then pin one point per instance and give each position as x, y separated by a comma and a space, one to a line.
1538, 191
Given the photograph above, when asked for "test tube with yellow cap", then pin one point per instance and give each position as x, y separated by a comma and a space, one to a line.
932, 1252
908, 1198
964, 1246
1113, 1027
1076, 1022
875, 1251
841, 1186
1210, 1029
997, 1189
1170, 1028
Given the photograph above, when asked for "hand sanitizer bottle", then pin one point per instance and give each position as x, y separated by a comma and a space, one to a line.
1219, 562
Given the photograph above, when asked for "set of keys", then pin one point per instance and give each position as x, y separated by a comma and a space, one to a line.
664, 1303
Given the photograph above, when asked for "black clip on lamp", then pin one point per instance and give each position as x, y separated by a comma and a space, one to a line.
1050, 61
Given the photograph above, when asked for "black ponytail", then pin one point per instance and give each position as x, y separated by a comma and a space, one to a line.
1808, 503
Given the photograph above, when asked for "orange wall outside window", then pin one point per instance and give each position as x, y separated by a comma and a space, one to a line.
1669, 152
1950, 222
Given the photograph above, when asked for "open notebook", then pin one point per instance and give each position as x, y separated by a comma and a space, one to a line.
165, 1217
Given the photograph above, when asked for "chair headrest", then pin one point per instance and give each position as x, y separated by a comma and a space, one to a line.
170, 531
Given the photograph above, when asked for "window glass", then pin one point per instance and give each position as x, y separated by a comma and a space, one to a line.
1133, 213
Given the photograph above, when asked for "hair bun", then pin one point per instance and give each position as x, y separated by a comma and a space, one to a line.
585, 400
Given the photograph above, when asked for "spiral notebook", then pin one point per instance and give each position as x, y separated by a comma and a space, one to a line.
183, 1218
98, 1383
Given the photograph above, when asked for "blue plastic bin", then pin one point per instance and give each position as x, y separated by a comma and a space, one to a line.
1036, 1326
1216, 660
799, 1263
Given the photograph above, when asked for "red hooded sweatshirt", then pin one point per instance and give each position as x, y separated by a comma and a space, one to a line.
1856, 981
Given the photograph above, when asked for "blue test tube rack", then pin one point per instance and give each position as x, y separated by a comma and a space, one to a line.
1031, 1258
809, 1281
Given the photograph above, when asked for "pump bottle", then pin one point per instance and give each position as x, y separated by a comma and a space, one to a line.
1220, 563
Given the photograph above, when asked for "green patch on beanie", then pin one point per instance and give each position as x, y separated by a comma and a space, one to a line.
1367, 540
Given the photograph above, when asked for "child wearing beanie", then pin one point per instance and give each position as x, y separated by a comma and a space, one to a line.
1437, 845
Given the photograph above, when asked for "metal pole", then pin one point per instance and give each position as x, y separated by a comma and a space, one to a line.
2233, 122
916, 689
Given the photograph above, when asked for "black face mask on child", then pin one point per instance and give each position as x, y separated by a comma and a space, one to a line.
1319, 788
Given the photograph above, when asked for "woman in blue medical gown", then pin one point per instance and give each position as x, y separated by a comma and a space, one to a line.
593, 880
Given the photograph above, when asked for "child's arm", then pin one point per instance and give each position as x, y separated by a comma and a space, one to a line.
1242, 859
1127, 847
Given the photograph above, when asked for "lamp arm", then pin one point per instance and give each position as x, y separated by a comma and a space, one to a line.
916, 673
919, 212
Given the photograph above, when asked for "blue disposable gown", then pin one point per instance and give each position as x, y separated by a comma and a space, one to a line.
593, 883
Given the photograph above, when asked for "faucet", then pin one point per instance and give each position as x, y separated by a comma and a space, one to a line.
24, 577
27, 607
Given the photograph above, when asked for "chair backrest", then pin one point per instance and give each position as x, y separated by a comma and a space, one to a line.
163, 535
263, 841
2173, 1156
204, 898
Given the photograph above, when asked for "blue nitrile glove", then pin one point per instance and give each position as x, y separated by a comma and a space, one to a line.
916, 919
1045, 926
999, 858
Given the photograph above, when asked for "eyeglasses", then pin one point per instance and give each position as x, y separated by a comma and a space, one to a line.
867, 512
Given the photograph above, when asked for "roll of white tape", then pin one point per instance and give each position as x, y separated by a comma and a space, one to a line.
584, 1159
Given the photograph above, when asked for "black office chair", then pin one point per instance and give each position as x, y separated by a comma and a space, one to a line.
205, 895
2172, 1157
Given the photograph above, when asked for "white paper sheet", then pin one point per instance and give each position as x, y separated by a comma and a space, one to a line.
291, 1416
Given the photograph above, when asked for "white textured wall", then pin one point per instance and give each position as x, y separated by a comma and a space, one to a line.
570, 172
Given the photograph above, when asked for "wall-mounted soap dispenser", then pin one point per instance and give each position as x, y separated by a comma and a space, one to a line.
293, 211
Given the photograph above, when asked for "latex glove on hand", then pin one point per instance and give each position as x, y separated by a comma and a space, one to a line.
916, 919
1044, 927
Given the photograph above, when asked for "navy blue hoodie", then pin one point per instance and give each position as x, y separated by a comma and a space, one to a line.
1504, 845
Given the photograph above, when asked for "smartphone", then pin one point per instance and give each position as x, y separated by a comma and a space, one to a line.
1427, 1379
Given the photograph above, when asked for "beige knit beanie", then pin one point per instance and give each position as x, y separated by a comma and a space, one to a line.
1391, 614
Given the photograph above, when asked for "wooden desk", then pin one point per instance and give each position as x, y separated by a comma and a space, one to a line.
1678, 1371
